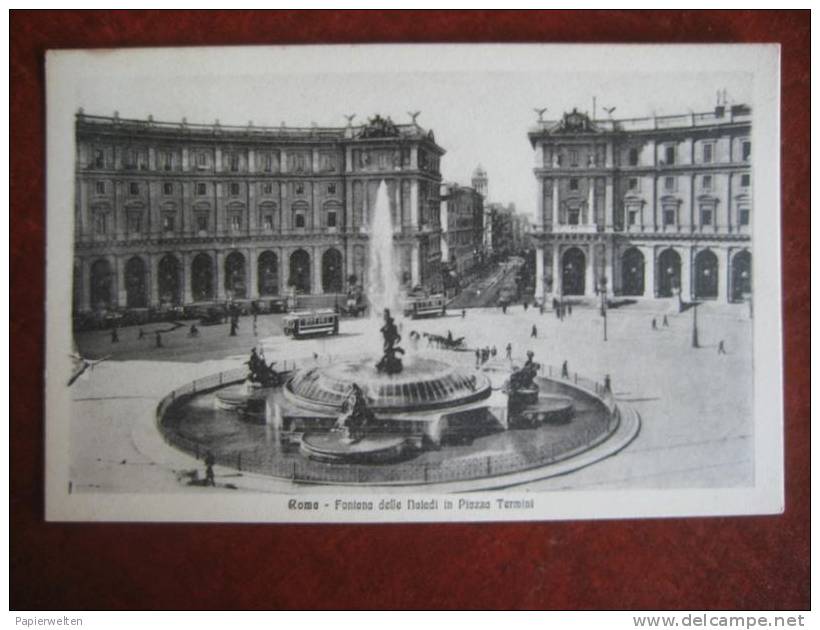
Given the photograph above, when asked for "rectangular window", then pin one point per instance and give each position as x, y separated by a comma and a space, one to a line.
300, 189
331, 219
201, 160
99, 188
200, 189
133, 188
633, 157
168, 222
236, 222
633, 217
299, 220
707, 182
573, 216
268, 222
99, 158
669, 155
706, 216
573, 184
167, 189
202, 222
267, 161
130, 158
669, 183
100, 223
745, 180
707, 153
135, 222
744, 216
331, 189
573, 158
669, 217
633, 183
234, 161
267, 189
234, 189
746, 151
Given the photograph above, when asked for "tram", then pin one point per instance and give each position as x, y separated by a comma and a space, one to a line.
308, 323
425, 306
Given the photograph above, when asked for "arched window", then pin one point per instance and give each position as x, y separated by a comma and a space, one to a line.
300, 271
168, 280
202, 278
332, 272
268, 273
136, 295
706, 275
235, 283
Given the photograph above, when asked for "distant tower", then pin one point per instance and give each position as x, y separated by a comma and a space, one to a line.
480, 182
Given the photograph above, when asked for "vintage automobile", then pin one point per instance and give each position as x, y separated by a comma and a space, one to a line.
308, 323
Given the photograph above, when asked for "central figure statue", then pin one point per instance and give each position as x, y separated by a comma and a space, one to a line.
390, 363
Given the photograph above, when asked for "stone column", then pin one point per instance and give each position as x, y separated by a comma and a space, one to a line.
556, 269
723, 274
282, 270
118, 293
539, 217
253, 270
187, 292
609, 255
414, 204
152, 279
609, 204
316, 267
219, 275
415, 265
686, 274
348, 159
254, 224
217, 159
591, 202
555, 194
589, 272
649, 271
84, 300
539, 274
414, 158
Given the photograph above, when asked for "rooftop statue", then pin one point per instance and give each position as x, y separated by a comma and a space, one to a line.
378, 127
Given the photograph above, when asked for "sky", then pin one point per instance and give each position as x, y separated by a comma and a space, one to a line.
478, 117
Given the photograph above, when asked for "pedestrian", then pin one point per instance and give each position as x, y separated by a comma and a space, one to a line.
509, 351
193, 332
477, 357
526, 306
541, 309
721, 347
141, 334
504, 309
607, 383
569, 309
159, 339
565, 370
210, 460
315, 357
557, 312
665, 322
463, 313
534, 332
654, 324
115, 337
493, 352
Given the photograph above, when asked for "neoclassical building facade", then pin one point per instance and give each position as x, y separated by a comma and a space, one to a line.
178, 213
653, 207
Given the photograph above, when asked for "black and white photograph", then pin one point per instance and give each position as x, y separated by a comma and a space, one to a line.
413, 283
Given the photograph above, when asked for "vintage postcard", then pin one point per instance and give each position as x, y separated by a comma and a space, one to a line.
413, 283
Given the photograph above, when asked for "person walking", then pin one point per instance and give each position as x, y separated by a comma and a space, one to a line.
541, 309
141, 334
509, 351
463, 313
477, 357
526, 305
607, 383
159, 339
115, 337
569, 309
565, 370
721, 347
493, 352
534, 332
654, 324
665, 322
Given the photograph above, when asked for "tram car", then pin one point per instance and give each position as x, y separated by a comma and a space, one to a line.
425, 306
309, 323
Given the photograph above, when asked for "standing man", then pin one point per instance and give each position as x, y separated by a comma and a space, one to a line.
665, 322
564, 370
534, 332
509, 351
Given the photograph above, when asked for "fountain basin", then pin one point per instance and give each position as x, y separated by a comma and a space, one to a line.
372, 449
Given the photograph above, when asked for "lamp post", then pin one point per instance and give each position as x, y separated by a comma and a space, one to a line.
602, 283
695, 343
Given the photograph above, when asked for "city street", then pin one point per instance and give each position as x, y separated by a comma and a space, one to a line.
695, 404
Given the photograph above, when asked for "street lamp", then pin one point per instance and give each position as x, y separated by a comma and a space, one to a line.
695, 343
602, 283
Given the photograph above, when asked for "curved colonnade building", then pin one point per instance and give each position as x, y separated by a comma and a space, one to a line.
653, 207
171, 214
